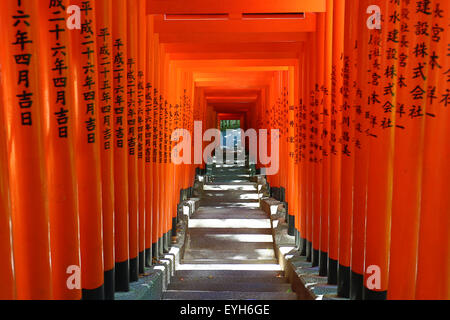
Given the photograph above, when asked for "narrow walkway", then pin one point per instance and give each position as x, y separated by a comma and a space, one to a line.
229, 253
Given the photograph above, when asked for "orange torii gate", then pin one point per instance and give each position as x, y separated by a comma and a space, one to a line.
90, 197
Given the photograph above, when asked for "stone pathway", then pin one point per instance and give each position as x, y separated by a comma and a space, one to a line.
229, 252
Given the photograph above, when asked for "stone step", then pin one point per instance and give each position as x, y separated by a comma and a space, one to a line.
230, 223
237, 254
231, 180
224, 186
199, 232
232, 275
214, 261
227, 295
240, 285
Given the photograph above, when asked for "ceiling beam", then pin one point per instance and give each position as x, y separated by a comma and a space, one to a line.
233, 6
229, 37
308, 24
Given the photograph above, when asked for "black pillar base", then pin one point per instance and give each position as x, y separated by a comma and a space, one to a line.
122, 276
174, 227
323, 264
161, 247
141, 262
315, 257
148, 257
356, 286
282, 194
308, 251
109, 284
134, 270
303, 246
94, 294
291, 225
332, 271
166, 243
343, 281
374, 295
275, 193
155, 253
297, 239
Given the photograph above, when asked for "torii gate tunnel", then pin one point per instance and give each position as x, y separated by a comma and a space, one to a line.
92, 90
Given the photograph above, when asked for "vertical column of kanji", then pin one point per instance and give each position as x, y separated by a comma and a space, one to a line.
408, 35
350, 70
279, 105
433, 266
175, 194
168, 114
167, 147
144, 251
186, 169
308, 149
7, 277
176, 113
379, 194
335, 137
156, 149
313, 148
325, 136
105, 78
361, 150
318, 106
303, 156
274, 126
156, 164
121, 226
57, 116
163, 107
297, 145
24, 147
290, 187
274, 181
283, 125
87, 148
150, 218
133, 196
189, 115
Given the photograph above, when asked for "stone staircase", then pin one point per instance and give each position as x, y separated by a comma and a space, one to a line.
229, 253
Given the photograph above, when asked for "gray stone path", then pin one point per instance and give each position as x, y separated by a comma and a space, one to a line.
229, 252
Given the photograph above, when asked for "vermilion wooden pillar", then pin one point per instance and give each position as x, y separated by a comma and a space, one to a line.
325, 135
379, 194
362, 148
151, 218
157, 209
106, 121
58, 105
309, 151
350, 69
144, 120
132, 133
305, 157
21, 109
319, 115
87, 148
433, 267
291, 181
120, 98
335, 134
7, 276
409, 148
